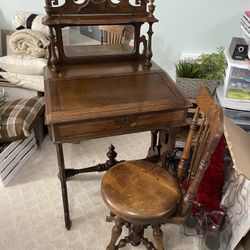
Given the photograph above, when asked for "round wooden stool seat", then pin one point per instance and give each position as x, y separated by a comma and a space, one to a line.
140, 191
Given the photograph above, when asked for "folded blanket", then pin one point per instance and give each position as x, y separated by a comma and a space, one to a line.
35, 82
28, 20
29, 42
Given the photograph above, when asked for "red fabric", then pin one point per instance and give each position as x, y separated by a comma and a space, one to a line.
210, 189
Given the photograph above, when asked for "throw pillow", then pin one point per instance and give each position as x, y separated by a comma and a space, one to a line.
18, 118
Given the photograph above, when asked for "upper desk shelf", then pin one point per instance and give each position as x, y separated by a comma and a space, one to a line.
116, 21
101, 11
97, 20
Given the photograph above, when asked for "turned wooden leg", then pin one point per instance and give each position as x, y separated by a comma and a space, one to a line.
110, 217
116, 232
62, 177
153, 150
158, 236
167, 139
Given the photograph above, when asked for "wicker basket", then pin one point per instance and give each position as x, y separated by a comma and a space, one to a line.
189, 87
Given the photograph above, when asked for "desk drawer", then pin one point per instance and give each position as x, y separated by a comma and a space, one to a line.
118, 125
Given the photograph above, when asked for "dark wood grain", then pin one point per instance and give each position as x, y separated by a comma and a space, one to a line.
111, 94
94, 50
140, 191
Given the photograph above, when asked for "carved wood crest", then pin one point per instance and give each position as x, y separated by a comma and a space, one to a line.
72, 7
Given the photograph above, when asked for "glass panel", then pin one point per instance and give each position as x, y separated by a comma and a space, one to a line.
98, 40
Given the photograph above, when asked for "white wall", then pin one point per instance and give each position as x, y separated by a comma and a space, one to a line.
9, 7
194, 26
189, 26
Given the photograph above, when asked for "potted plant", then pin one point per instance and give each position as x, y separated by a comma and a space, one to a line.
207, 69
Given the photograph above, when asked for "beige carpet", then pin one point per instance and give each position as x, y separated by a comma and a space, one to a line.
31, 213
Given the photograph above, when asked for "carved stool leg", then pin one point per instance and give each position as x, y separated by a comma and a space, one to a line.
116, 232
62, 177
111, 217
136, 233
158, 236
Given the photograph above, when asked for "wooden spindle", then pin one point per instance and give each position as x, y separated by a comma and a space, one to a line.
53, 56
149, 53
192, 189
186, 151
151, 8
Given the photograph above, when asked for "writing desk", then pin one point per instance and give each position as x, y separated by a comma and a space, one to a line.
108, 89
86, 101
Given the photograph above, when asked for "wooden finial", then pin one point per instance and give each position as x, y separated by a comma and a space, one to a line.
48, 8
151, 8
111, 155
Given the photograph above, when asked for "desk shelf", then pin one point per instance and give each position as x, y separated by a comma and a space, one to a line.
237, 80
93, 50
97, 20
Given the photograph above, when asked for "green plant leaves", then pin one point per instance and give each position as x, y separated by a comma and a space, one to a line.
188, 69
206, 66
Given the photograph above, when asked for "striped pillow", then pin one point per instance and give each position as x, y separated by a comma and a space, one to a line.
17, 118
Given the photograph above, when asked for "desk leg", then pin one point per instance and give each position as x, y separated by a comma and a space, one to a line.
153, 150
62, 177
167, 139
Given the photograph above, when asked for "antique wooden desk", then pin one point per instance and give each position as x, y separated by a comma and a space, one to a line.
101, 95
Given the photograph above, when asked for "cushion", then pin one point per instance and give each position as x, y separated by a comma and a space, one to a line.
23, 64
17, 118
35, 82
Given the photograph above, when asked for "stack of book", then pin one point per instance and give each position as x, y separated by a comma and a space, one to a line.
245, 23
237, 111
234, 94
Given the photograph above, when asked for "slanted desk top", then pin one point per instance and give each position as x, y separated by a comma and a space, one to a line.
120, 97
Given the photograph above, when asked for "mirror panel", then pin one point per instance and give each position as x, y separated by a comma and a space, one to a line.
82, 41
